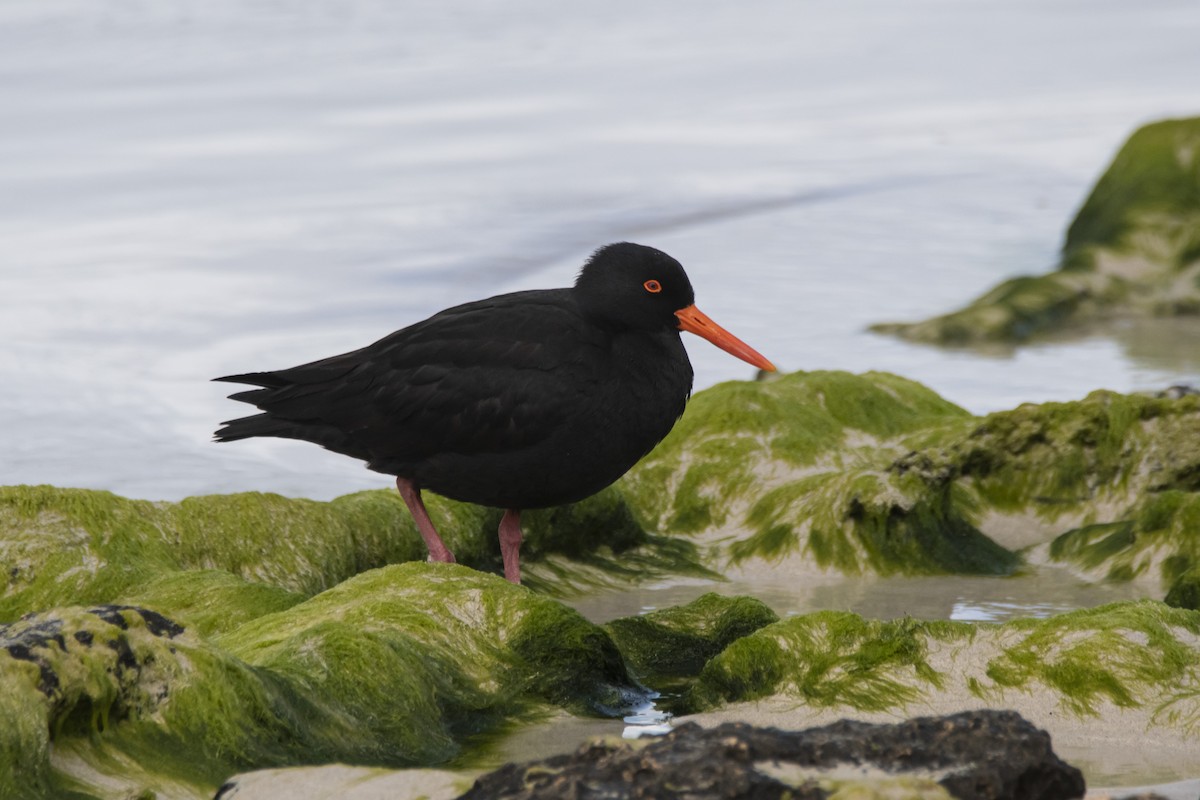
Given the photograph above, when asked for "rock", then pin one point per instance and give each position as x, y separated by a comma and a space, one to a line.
1133, 248
124, 690
1108, 486
873, 474
401, 666
1107, 670
264, 551
675, 643
981, 754
798, 469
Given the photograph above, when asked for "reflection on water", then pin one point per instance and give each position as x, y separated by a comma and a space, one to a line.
1037, 592
1168, 346
975, 611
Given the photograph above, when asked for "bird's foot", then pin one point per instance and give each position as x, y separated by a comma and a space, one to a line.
443, 555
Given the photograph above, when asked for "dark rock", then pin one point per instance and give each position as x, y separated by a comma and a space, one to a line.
156, 623
972, 755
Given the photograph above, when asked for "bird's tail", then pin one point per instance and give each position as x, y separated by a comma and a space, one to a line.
256, 425
290, 423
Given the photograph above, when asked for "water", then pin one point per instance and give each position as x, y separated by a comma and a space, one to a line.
1036, 592
212, 186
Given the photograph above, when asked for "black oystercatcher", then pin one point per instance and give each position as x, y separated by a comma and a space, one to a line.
524, 400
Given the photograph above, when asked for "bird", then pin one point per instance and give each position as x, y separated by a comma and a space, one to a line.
520, 401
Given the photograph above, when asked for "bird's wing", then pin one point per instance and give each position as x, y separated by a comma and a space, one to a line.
493, 376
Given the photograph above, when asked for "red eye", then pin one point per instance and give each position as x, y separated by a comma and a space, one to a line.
652, 286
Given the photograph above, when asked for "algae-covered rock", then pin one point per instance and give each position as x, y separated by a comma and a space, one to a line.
258, 552
1154, 541
1133, 248
800, 467
406, 665
875, 474
1124, 664
677, 642
595, 543
448, 633
125, 693
1116, 474
76, 546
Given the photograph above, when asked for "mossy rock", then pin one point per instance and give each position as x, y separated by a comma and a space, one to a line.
402, 666
78, 546
593, 544
1137, 656
663, 647
874, 474
799, 467
1156, 541
1133, 248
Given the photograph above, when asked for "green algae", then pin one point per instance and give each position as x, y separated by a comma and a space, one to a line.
128, 679
1133, 240
1140, 654
889, 788
480, 637
813, 476
865, 521
1156, 171
407, 665
1126, 654
1123, 465
1016, 310
665, 646
1063, 455
829, 658
597, 543
81, 546
709, 458
1157, 540
883, 477
210, 601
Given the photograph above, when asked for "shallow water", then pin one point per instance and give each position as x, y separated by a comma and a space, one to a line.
1038, 592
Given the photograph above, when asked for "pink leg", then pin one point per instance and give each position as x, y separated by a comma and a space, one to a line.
412, 498
510, 544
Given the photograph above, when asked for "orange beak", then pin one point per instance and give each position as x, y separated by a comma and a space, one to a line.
693, 320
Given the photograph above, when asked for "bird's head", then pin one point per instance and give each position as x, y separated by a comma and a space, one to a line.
637, 287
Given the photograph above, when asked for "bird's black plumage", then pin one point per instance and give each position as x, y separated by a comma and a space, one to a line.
524, 400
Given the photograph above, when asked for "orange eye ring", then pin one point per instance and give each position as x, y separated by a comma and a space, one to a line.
652, 286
